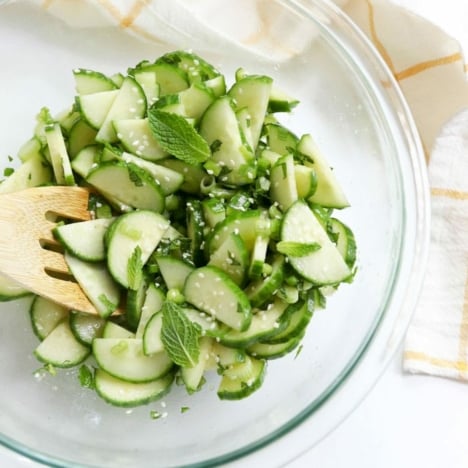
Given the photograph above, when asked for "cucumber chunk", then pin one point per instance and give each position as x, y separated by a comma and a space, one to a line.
124, 359
86, 327
324, 266
118, 392
212, 291
138, 231
45, 316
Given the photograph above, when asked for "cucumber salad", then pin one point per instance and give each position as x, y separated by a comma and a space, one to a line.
213, 237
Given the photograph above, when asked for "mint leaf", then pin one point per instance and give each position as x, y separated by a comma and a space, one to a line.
135, 269
177, 137
86, 377
296, 249
180, 336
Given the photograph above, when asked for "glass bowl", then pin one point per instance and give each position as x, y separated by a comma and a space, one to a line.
355, 111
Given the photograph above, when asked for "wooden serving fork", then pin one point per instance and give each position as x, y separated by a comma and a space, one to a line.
29, 254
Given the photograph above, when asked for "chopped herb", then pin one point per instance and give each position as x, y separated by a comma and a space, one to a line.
215, 145
180, 336
109, 305
8, 171
135, 177
155, 414
135, 269
296, 249
184, 409
86, 378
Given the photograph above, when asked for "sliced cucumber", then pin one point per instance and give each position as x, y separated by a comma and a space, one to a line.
96, 283
253, 92
90, 81
86, 327
61, 349
274, 351
124, 359
265, 323
280, 139
306, 181
85, 240
118, 392
324, 266
232, 257
11, 290
193, 175
329, 192
234, 388
346, 244
59, 156
80, 135
135, 300
86, 160
193, 376
140, 232
152, 342
149, 85
45, 316
213, 211
95, 107
128, 184
113, 330
212, 291
283, 188
174, 271
196, 100
219, 124
154, 300
209, 325
137, 138
130, 103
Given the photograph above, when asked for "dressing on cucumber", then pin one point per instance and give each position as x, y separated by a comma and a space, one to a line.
213, 239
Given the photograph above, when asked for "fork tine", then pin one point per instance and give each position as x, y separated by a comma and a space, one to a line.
54, 261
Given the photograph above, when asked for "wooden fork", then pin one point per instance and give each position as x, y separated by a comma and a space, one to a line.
29, 253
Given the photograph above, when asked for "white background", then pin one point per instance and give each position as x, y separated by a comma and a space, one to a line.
406, 421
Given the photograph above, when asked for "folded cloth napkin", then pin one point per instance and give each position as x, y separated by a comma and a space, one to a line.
429, 66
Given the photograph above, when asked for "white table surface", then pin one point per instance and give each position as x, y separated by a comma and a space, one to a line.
406, 421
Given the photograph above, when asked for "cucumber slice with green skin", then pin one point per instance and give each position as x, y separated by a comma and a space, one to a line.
346, 244
219, 124
168, 180
32, 173
97, 284
149, 85
80, 135
193, 376
280, 139
45, 316
253, 92
85, 239
117, 392
210, 327
86, 160
193, 175
124, 359
245, 121
86, 327
274, 351
170, 78
217, 85
260, 291
264, 324
258, 260
141, 230
283, 188
90, 81
29, 149
113, 330
153, 303
233, 388
59, 156
213, 211
61, 349
128, 184
117, 79
279, 101
174, 271
152, 342
211, 290
137, 138
232, 257
67, 119
299, 317
95, 107
196, 100
135, 300
329, 192
240, 223
227, 357
130, 103
306, 181
324, 266
10, 290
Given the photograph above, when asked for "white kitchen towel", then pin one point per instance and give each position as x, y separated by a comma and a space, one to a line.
430, 68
